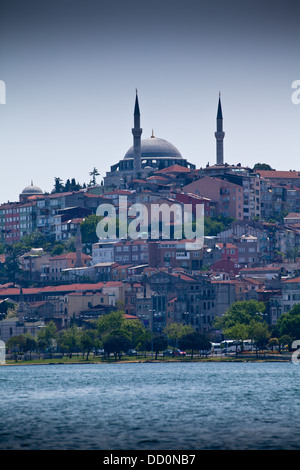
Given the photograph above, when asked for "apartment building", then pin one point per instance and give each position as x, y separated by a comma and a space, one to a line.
57, 264
132, 252
16, 221
290, 293
228, 197
175, 254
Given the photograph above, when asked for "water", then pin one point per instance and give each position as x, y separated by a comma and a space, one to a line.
171, 406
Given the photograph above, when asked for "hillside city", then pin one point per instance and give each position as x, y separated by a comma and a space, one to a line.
55, 269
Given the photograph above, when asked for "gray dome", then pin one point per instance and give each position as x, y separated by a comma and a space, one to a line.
32, 189
155, 148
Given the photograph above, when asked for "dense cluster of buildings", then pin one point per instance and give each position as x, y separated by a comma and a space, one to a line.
159, 281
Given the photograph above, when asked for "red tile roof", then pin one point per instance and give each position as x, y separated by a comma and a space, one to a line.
9, 291
278, 174
71, 255
174, 168
295, 279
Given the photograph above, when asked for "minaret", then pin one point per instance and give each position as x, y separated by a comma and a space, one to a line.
78, 245
220, 134
21, 309
137, 132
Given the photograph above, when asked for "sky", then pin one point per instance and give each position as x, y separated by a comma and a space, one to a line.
71, 68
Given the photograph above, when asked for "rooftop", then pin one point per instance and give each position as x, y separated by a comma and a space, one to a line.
155, 147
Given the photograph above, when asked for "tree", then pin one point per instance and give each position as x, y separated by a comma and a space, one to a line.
58, 186
215, 225
262, 166
58, 250
212, 227
116, 342
88, 229
69, 340
93, 174
16, 344
289, 323
30, 343
110, 322
88, 341
238, 332
116, 321
194, 341
5, 306
175, 331
273, 342
12, 266
72, 185
259, 334
285, 340
75, 186
160, 343
241, 312
139, 335
46, 336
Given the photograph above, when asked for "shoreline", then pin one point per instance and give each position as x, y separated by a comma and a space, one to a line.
147, 361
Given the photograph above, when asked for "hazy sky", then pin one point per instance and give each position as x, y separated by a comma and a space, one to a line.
71, 68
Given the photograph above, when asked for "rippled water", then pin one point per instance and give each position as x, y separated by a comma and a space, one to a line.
155, 406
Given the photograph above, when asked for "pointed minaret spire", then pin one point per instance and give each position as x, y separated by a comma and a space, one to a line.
137, 132
219, 114
136, 106
220, 134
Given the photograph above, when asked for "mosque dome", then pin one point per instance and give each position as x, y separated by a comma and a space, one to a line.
155, 147
31, 190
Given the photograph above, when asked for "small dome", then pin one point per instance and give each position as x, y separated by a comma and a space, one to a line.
31, 190
155, 148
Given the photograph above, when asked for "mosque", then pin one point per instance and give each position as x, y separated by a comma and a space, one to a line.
152, 154
145, 157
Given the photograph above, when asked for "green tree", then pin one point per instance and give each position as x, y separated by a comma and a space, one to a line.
289, 323
238, 332
116, 321
116, 342
194, 341
16, 345
159, 342
88, 229
212, 227
12, 266
74, 186
262, 166
138, 334
273, 342
175, 331
5, 306
241, 312
58, 250
285, 340
110, 322
30, 343
46, 336
58, 185
93, 174
88, 340
259, 334
69, 340
215, 225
